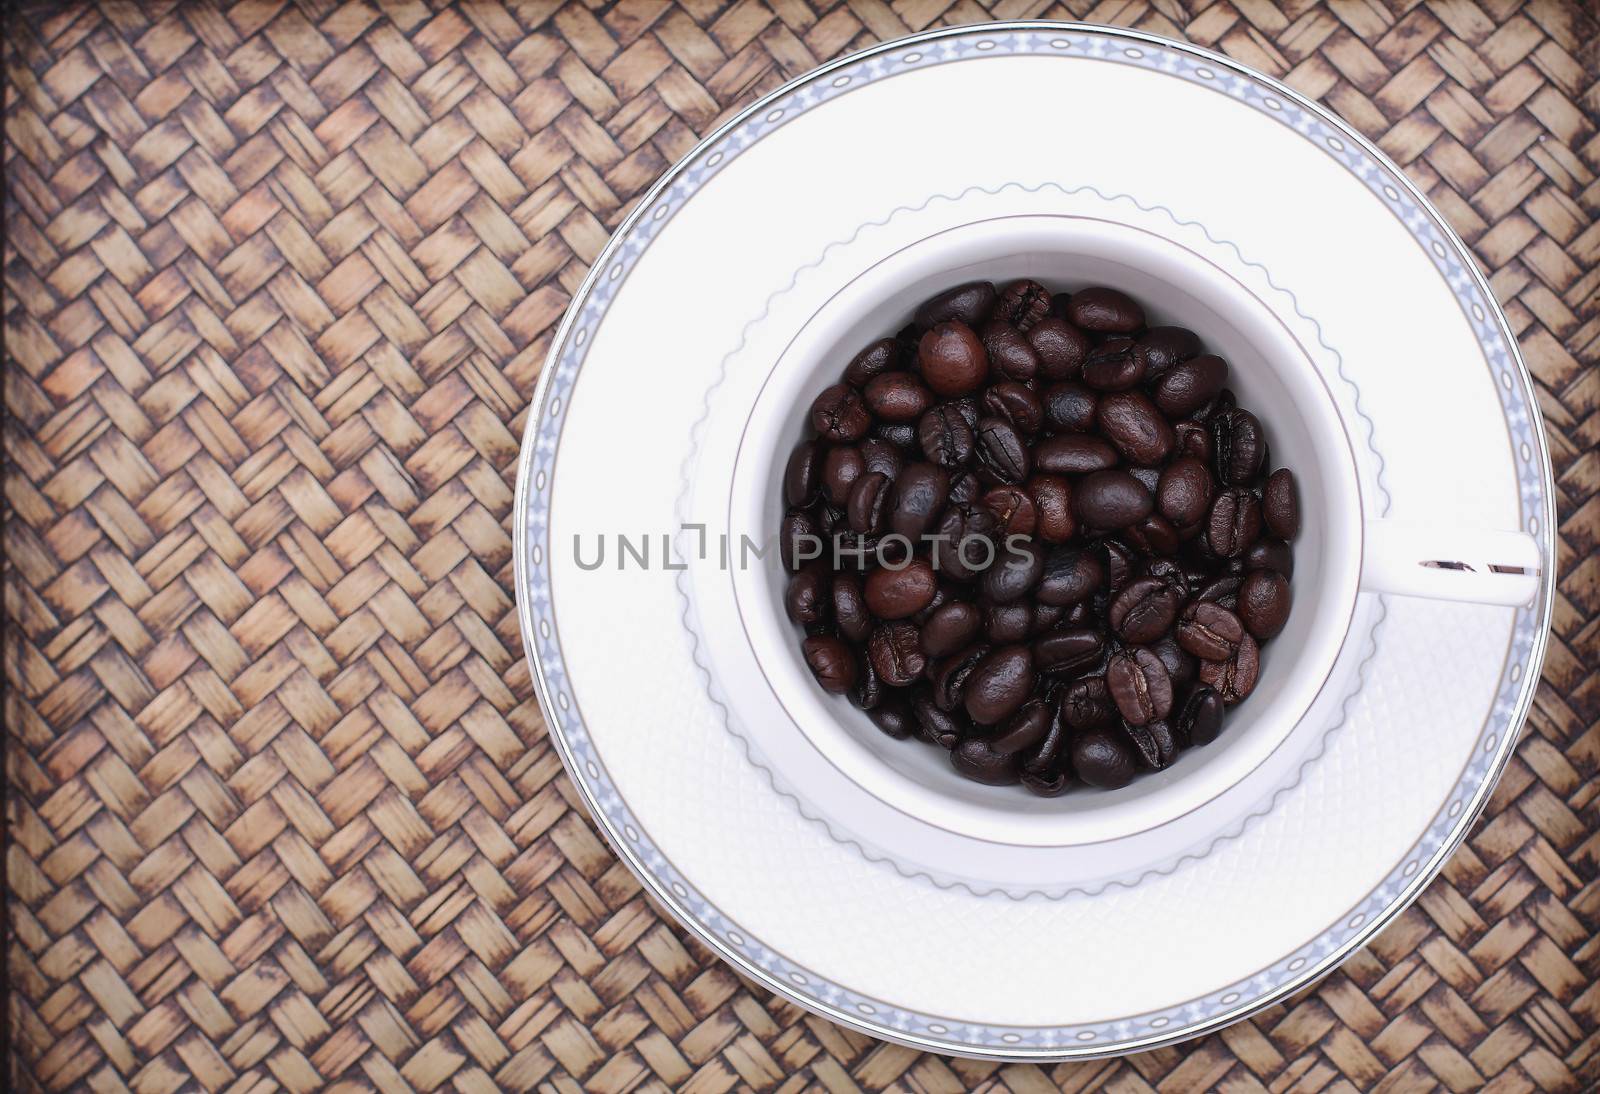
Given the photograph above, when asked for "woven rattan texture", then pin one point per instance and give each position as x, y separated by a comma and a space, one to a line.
278, 282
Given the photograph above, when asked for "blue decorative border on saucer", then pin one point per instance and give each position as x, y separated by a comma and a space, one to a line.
873, 1016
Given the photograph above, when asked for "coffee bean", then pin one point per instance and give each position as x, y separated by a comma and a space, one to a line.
1071, 576
1016, 404
968, 303
1025, 730
1223, 590
841, 467
893, 716
1068, 650
1159, 348
850, 609
1061, 348
1074, 454
1193, 439
1200, 720
897, 397
965, 487
882, 457
1007, 623
1181, 665
798, 540
1209, 631
1000, 450
966, 541
831, 661
1235, 678
999, 685
1144, 611
1070, 407
949, 676
1046, 616
940, 727
1105, 310
1014, 573
802, 481
869, 498
1185, 388
1270, 554
979, 761
1010, 353
951, 359
1280, 506
1086, 704
897, 594
803, 599
1100, 759
1052, 499
1111, 499
950, 629
1122, 565
1140, 685
1264, 603
840, 415
1234, 522
1183, 494
1013, 509
874, 360
896, 652
945, 437
1240, 446
1112, 366
919, 497
1154, 535
1133, 424
1022, 304
868, 690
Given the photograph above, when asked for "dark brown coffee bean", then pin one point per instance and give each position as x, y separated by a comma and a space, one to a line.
882, 457
868, 690
1000, 450
1131, 422
1234, 523
1111, 499
1086, 704
1026, 729
1240, 445
1122, 565
969, 303
841, 467
1071, 576
1112, 366
803, 599
1280, 504
949, 676
919, 498
1010, 354
831, 662
802, 479
1045, 616
1201, 718
1153, 745
1183, 494
1105, 310
1270, 554
897, 594
1074, 454
874, 360
1013, 509
966, 541
1159, 348
1005, 624
1101, 759
893, 716
1022, 304
1070, 407
900, 434
897, 397
869, 499
999, 685
839, 414
1139, 685
850, 609
952, 360
979, 761
952, 628
1185, 388
945, 437
1016, 404
1193, 439
1068, 650
896, 652
940, 727
1181, 665
1014, 573
1264, 603
1062, 348
798, 539
1052, 499
1235, 678
1209, 631
1154, 535
1223, 590
1144, 611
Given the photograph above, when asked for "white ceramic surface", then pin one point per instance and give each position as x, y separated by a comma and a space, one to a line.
799, 842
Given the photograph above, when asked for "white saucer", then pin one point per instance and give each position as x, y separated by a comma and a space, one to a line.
1137, 927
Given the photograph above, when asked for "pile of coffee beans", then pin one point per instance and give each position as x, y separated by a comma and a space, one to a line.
1037, 533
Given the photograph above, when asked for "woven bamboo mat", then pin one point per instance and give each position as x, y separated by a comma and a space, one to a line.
278, 282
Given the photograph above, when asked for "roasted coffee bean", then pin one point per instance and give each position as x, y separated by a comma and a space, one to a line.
945, 437
900, 434
1016, 404
802, 476
1010, 353
1235, 678
1182, 666
1185, 388
1240, 446
1070, 407
1193, 439
798, 540
1183, 494
1209, 631
1014, 573
840, 415
1223, 589
1223, 403
1108, 500
940, 727
1105, 310
869, 498
1145, 610
949, 676
952, 360
1154, 535
1007, 623
967, 406
1140, 685
970, 303
1122, 565
841, 467
900, 593
1234, 522
893, 716
1270, 554
1000, 450
1052, 499
1154, 743
897, 397
1133, 424
1086, 704
950, 629
1074, 454
979, 761
882, 457
1013, 509
1068, 650
1025, 730
874, 360
966, 541
1101, 759
1071, 576
1264, 603
1112, 366
999, 685
1022, 304
1159, 348
1280, 504
831, 661
868, 690
850, 613
896, 652
1201, 718
1170, 571
919, 497
1046, 616
804, 598
1061, 348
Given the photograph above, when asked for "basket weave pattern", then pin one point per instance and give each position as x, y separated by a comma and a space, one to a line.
279, 279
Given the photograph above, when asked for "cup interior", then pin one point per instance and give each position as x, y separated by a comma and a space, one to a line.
1272, 375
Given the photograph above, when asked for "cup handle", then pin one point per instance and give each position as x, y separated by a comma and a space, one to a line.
1450, 563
